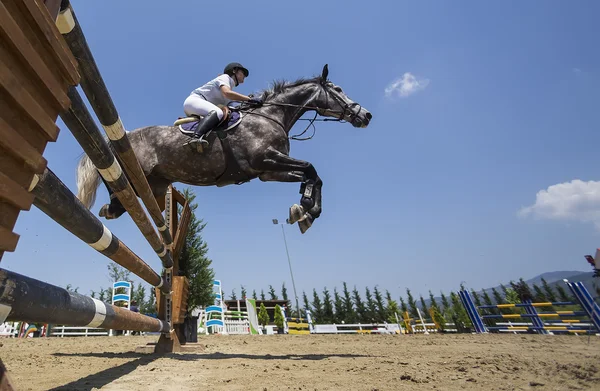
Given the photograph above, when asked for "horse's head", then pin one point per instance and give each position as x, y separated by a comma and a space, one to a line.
335, 103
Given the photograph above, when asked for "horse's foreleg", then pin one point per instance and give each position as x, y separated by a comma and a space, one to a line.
287, 169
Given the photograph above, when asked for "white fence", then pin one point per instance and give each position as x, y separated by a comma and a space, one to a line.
74, 331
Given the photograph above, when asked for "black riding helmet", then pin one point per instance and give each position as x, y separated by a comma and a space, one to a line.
231, 67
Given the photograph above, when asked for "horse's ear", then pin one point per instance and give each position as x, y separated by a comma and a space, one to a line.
325, 73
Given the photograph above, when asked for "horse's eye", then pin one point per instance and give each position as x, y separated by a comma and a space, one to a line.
338, 89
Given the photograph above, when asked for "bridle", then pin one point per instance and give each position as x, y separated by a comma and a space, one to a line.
340, 116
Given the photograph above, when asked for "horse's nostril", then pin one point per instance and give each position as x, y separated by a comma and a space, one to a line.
369, 116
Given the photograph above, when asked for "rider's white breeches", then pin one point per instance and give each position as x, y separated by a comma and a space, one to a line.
195, 104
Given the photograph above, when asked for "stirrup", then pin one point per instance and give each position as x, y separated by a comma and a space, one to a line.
199, 143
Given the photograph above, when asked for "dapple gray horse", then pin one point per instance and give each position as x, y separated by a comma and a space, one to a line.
258, 147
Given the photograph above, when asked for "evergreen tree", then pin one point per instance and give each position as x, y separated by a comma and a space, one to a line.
432, 300
361, 309
476, 298
381, 312
486, 299
459, 315
263, 315
445, 303
317, 306
562, 294
272, 294
139, 295
412, 304
254, 296
500, 300
233, 296
262, 295
193, 260
503, 287
306, 303
328, 314
522, 290
340, 314
539, 296
371, 306
351, 316
424, 309
244, 294
284, 294
548, 290
278, 319
392, 308
403, 306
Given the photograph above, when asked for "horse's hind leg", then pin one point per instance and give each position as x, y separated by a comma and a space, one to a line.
113, 210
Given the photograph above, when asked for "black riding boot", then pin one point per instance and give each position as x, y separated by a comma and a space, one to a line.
209, 122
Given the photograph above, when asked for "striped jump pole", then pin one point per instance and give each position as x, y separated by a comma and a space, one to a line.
467, 301
26, 299
80, 123
94, 88
54, 199
587, 301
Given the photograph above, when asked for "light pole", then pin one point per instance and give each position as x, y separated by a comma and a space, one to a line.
276, 222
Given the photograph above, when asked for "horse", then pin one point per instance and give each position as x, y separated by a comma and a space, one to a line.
257, 146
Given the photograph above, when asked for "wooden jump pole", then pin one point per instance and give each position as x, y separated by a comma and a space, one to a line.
35, 301
54, 199
80, 123
94, 88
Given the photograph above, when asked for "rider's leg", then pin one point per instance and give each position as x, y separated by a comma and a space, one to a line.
213, 115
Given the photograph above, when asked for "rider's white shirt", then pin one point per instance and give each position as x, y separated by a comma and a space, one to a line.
212, 89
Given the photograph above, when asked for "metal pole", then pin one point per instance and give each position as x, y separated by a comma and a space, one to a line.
291, 273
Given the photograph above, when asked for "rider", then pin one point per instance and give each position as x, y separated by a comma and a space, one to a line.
203, 100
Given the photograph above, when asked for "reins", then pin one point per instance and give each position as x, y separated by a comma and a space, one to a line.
250, 110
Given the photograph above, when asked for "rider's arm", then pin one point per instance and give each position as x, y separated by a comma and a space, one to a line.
230, 94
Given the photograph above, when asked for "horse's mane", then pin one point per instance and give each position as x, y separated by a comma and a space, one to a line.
279, 86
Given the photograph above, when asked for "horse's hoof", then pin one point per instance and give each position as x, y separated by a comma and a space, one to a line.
104, 212
305, 223
296, 214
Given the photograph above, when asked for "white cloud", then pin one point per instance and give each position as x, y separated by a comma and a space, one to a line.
407, 85
576, 71
570, 201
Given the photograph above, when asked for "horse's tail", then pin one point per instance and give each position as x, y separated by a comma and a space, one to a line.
88, 180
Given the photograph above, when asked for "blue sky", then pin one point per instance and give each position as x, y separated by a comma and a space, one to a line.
480, 163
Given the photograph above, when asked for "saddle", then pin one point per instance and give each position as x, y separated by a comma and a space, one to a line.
231, 118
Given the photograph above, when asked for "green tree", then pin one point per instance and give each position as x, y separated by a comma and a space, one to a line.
194, 262
306, 303
243, 293
403, 306
476, 298
328, 314
445, 303
392, 308
459, 315
381, 313
340, 314
278, 318
371, 306
284, 294
424, 309
351, 316
361, 310
254, 296
562, 294
548, 290
412, 304
69, 287
539, 296
233, 296
262, 295
317, 306
272, 293
433, 303
522, 290
263, 315
438, 318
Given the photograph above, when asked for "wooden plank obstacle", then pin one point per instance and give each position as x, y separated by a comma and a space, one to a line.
43, 57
